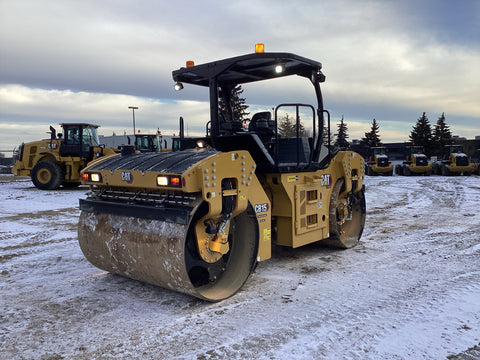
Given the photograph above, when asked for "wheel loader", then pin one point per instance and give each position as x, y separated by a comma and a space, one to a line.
142, 142
416, 163
58, 160
454, 162
378, 163
198, 220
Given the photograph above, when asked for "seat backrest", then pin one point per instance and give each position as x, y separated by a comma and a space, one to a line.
264, 117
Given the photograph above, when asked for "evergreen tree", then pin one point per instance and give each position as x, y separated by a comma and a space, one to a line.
372, 138
288, 127
237, 104
421, 134
342, 135
441, 135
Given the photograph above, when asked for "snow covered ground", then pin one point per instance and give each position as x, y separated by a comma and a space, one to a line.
410, 290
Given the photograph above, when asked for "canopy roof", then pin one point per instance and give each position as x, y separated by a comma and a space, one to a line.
247, 68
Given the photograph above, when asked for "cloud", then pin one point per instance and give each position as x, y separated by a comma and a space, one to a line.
90, 60
27, 113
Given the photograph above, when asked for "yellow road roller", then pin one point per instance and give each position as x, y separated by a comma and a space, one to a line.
198, 220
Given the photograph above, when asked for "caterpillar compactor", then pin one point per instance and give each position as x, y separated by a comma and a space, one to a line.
198, 220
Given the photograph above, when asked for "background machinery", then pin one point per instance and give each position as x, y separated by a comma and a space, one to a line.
58, 160
142, 142
197, 220
378, 162
416, 163
454, 162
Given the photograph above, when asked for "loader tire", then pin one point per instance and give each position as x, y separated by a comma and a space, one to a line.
445, 171
345, 233
47, 175
399, 170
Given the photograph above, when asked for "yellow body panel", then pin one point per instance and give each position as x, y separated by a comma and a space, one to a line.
34, 152
420, 169
301, 201
382, 169
462, 169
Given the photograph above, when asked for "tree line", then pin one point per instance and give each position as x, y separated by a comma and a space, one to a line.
432, 138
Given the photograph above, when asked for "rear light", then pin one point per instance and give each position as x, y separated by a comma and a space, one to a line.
169, 180
175, 181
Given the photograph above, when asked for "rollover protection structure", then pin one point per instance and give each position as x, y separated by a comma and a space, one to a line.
198, 220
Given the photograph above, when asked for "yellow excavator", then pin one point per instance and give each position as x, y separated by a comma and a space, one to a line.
198, 220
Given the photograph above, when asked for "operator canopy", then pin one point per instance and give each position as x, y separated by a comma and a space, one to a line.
250, 68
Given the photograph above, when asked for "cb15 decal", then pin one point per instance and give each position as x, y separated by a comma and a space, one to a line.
259, 208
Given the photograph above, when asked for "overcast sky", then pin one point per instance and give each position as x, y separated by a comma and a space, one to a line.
88, 61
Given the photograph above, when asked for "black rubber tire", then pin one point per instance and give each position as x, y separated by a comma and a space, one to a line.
444, 170
47, 175
399, 170
346, 234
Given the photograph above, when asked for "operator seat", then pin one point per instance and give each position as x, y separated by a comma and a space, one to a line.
263, 125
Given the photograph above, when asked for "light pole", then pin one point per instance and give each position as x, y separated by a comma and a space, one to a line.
133, 110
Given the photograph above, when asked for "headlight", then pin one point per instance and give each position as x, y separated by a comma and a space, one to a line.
162, 180
95, 177
169, 180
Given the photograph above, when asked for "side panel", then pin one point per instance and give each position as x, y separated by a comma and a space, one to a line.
301, 206
301, 201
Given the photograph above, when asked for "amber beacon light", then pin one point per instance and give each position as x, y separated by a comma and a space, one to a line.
259, 48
